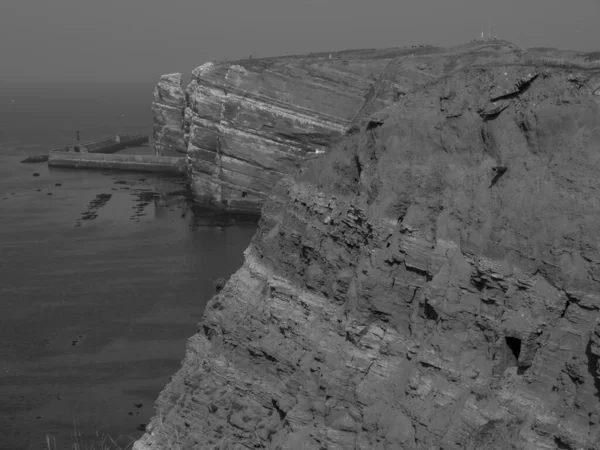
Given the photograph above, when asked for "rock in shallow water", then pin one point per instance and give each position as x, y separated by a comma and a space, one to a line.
393, 297
36, 159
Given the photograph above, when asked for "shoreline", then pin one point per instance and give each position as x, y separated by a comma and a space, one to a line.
99, 313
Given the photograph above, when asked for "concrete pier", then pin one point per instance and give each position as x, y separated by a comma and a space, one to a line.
135, 163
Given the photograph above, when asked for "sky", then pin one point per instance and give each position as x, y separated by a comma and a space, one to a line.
108, 40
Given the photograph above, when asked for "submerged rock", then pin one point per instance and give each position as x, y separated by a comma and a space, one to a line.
394, 297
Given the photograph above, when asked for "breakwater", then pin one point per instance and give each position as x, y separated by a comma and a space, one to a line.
137, 163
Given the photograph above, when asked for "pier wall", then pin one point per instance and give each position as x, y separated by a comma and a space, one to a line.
137, 163
102, 146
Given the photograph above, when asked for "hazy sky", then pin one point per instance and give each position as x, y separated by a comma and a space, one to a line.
107, 39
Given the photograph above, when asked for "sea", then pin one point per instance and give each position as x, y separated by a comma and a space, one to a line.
103, 275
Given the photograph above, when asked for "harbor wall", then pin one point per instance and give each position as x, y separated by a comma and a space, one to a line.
110, 144
102, 147
137, 163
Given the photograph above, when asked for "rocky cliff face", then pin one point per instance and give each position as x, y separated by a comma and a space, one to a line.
431, 282
167, 112
244, 125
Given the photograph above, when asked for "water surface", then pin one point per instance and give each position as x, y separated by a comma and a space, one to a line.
103, 275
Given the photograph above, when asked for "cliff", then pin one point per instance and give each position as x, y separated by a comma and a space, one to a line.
245, 124
167, 113
431, 282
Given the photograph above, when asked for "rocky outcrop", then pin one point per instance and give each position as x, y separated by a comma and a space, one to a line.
431, 282
167, 112
247, 123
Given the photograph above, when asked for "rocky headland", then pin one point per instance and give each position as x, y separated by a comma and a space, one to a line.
432, 281
245, 124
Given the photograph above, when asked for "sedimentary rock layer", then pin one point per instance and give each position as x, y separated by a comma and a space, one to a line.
245, 124
167, 113
432, 282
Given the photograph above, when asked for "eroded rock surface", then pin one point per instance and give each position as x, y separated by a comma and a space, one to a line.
167, 111
247, 123
404, 293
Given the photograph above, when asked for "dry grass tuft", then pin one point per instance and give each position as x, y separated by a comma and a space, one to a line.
101, 441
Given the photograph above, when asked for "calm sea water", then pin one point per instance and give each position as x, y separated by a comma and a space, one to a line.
103, 276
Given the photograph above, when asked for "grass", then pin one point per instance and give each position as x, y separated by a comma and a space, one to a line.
102, 441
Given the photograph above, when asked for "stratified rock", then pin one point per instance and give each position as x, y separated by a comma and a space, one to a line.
246, 124
167, 110
395, 298
492, 109
511, 83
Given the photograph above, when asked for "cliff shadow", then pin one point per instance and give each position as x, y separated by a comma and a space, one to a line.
206, 215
